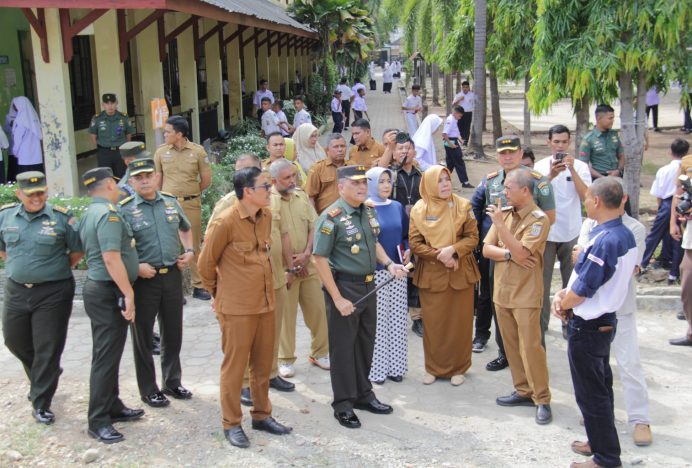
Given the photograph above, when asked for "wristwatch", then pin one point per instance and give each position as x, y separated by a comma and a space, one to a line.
508, 255
189, 250
386, 265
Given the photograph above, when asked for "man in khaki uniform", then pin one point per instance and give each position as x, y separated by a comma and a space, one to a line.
297, 223
515, 243
321, 186
365, 150
185, 173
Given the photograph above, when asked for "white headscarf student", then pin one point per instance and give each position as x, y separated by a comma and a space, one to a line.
25, 127
424, 141
308, 149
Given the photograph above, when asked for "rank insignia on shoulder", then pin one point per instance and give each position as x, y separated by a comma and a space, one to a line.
538, 213
60, 209
536, 175
126, 200
167, 194
327, 227
544, 188
7, 205
113, 219
112, 208
492, 175
335, 212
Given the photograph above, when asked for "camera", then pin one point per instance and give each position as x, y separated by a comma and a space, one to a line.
685, 203
559, 157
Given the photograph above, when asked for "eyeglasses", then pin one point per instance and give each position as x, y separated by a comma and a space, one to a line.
263, 186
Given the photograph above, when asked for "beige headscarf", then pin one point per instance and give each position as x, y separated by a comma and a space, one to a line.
307, 156
437, 219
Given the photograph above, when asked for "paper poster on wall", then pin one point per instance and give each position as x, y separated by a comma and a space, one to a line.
159, 113
10, 77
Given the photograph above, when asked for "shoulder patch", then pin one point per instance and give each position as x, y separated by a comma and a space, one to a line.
536, 175
538, 214
126, 200
327, 227
542, 185
335, 212
8, 205
60, 209
492, 175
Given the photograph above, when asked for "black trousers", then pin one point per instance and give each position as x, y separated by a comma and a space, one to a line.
338, 122
346, 107
588, 351
357, 115
654, 110
34, 325
108, 333
351, 345
464, 124
373, 85
162, 297
105, 157
455, 161
387, 87
484, 301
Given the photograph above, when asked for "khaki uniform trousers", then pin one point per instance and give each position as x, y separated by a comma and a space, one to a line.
193, 212
308, 293
247, 341
281, 302
521, 333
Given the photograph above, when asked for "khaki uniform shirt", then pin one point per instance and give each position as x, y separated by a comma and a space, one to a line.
235, 262
322, 184
277, 252
297, 220
515, 286
182, 170
224, 202
366, 155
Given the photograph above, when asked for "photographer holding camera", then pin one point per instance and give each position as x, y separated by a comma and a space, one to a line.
570, 179
681, 211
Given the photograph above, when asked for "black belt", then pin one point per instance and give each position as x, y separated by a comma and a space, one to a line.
31, 285
111, 148
191, 197
353, 278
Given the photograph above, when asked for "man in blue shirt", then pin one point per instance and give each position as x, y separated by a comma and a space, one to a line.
589, 302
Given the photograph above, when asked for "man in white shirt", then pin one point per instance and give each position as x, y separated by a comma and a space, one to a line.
260, 94
412, 106
466, 99
663, 188
356, 86
270, 124
282, 120
337, 113
359, 106
454, 158
569, 179
346, 99
301, 116
652, 102
387, 79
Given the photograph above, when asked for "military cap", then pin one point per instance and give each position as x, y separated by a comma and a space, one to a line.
109, 97
139, 166
31, 182
507, 143
133, 149
351, 172
94, 175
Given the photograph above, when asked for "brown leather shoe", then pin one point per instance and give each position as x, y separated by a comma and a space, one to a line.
582, 448
642, 435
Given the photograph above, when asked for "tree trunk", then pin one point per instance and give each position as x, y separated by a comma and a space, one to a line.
449, 92
423, 81
481, 11
435, 84
632, 134
495, 105
581, 110
457, 89
527, 113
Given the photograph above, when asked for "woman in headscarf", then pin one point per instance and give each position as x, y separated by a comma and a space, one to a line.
424, 141
24, 128
390, 357
442, 236
308, 150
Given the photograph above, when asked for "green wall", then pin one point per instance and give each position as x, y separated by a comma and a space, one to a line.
11, 21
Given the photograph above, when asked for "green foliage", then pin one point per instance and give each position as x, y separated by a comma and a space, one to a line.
248, 126
289, 110
221, 184
251, 143
319, 95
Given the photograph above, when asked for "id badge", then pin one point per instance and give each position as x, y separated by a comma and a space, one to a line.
408, 210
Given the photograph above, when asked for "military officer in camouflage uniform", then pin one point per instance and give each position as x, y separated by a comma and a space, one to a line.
159, 226
108, 299
129, 151
346, 253
39, 247
108, 130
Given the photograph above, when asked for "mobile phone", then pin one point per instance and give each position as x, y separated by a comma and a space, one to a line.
559, 157
121, 303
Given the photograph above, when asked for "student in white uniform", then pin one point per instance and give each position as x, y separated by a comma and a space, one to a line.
346, 100
301, 116
412, 106
466, 99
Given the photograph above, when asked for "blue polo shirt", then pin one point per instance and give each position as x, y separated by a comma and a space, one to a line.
604, 269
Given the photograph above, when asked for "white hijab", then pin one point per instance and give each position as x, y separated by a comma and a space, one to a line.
424, 141
307, 156
25, 122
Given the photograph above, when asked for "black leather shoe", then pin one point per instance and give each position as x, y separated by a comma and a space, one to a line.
379, 382
271, 426
497, 364
681, 315
179, 392
347, 419
156, 400
395, 378
543, 414
681, 341
44, 416
236, 436
202, 294
246, 397
280, 384
127, 414
417, 327
514, 400
374, 406
106, 434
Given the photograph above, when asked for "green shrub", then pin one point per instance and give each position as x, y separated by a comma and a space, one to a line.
221, 184
252, 143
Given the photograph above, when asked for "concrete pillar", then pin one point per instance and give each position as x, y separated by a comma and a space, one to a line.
235, 94
263, 61
109, 71
214, 79
150, 74
54, 98
188, 76
284, 76
274, 69
250, 64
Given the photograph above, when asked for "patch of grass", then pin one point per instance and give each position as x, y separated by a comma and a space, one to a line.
649, 168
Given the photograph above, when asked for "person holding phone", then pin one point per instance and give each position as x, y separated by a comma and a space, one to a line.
569, 178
